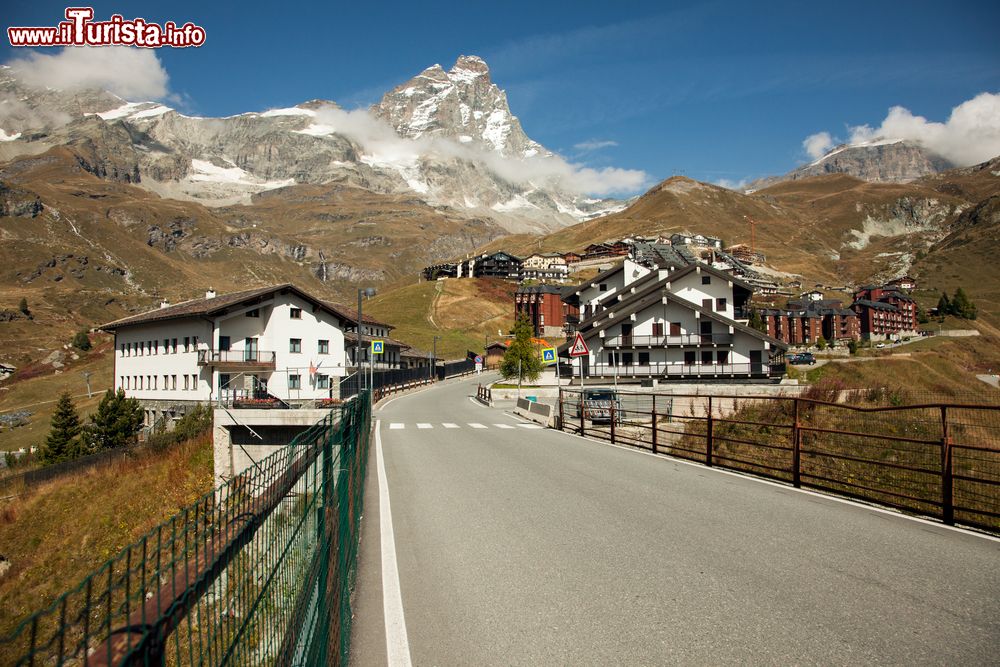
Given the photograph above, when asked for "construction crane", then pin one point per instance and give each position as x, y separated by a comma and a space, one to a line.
753, 233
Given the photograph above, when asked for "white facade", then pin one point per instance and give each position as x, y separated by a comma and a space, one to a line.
607, 284
270, 345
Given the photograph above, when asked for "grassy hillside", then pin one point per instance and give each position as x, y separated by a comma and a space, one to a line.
36, 387
464, 313
61, 531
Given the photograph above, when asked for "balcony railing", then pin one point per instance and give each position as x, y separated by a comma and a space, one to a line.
669, 341
681, 371
236, 358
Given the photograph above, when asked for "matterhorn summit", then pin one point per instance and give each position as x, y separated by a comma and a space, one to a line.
462, 104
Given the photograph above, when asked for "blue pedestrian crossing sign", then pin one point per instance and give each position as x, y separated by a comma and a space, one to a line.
548, 355
377, 346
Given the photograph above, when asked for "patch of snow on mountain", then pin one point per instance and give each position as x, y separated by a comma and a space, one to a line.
317, 130
125, 110
513, 204
464, 138
208, 172
158, 110
497, 128
8, 137
464, 109
290, 111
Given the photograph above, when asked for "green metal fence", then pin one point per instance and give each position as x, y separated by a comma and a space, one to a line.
257, 572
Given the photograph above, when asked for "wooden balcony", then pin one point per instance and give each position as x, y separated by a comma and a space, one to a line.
237, 360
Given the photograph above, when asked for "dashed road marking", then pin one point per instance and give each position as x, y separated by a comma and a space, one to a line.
396, 425
504, 425
424, 426
449, 425
531, 426
476, 425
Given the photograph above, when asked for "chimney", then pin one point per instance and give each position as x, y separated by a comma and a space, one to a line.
210, 294
164, 304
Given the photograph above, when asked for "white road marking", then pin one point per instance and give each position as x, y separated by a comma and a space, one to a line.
449, 425
424, 426
475, 425
397, 643
531, 426
396, 425
503, 426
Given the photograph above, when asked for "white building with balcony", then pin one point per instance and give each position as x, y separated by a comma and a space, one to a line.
265, 346
672, 324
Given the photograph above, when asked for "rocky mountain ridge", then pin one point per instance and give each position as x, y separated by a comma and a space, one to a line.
473, 170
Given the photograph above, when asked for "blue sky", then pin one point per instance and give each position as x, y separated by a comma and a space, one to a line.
721, 90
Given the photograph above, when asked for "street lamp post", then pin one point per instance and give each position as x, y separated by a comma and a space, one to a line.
434, 358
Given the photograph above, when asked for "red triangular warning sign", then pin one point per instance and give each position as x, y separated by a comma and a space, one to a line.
579, 348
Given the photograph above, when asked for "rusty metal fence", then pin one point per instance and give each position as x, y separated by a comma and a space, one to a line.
257, 572
940, 460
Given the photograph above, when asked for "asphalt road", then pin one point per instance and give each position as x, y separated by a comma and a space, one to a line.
521, 546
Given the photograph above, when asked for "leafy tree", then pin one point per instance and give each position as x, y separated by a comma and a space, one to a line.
115, 423
23, 306
81, 341
62, 442
757, 321
961, 306
521, 350
821, 343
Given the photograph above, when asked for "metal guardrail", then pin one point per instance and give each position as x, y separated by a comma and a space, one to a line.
484, 394
253, 357
258, 571
935, 459
682, 340
687, 371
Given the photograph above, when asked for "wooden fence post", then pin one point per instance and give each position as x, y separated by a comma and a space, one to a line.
947, 481
654, 424
796, 447
708, 435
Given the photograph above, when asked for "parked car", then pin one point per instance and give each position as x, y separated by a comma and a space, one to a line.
802, 358
595, 404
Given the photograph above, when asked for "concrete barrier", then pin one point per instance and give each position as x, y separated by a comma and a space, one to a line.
540, 413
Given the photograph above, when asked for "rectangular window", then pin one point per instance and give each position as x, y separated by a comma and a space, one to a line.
322, 381
194, 382
294, 344
123, 382
627, 359
657, 328
225, 343
720, 305
706, 280
723, 356
706, 304
194, 343
186, 383
173, 346
644, 358
603, 287
166, 346
253, 313
294, 381
123, 349
154, 347
173, 382
156, 381
224, 379
689, 358
611, 358
323, 347
675, 328
706, 357
187, 343
295, 313
166, 382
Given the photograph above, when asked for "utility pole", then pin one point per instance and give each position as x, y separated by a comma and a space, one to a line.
359, 376
86, 376
434, 363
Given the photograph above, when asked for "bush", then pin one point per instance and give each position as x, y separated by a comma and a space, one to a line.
191, 425
852, 346
81, 341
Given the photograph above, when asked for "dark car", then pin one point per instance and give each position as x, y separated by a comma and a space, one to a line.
595, 405
802, 358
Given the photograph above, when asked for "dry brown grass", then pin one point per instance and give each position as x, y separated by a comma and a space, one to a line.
59, 532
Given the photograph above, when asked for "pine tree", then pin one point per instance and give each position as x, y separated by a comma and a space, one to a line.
115, 423
961, 306
81, 341
944, 305
23, 306
521, 350
62, 443
757, 321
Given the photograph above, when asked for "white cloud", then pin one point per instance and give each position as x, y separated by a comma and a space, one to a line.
381, 143
818, 144
970, 135
132, 73
729, 184
594, 145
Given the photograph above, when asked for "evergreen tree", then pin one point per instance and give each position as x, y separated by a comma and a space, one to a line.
115, 423
81, 341
821, 343
944, 305
62, 442
521, 350
757, 321
23, 306
961, 306
852, 346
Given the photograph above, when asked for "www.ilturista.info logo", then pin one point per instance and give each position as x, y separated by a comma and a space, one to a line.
80, 30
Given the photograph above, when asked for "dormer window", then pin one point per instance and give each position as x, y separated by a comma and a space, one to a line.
295, 313
706, 280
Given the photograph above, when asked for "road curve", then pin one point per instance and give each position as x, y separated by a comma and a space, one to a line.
521, 546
